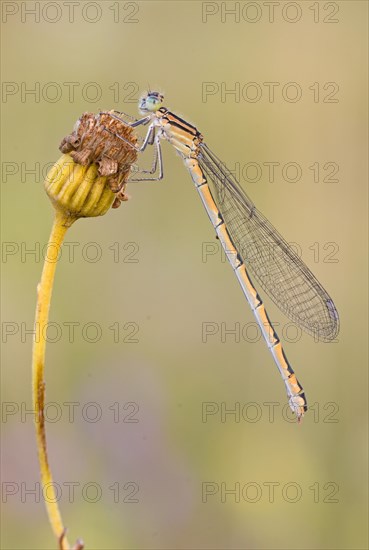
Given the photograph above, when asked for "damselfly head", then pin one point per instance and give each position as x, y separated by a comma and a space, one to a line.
150, 102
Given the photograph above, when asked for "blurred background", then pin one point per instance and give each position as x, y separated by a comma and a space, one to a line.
167, 420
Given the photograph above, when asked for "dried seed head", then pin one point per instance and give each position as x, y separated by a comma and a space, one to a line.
91, 175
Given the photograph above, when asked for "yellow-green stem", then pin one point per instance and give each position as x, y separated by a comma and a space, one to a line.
44, 290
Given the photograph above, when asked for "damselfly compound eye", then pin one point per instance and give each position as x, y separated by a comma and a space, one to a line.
151, 102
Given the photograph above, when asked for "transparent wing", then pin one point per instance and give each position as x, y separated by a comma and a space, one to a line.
278, 269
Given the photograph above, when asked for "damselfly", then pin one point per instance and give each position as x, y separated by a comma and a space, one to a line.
247, 237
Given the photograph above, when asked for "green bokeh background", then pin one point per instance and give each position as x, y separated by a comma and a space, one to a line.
170, 291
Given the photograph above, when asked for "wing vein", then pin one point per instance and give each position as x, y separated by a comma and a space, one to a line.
278, 269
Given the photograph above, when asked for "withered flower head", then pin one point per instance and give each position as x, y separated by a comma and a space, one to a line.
91, 175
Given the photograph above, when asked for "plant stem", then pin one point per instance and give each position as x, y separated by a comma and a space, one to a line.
61, 224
